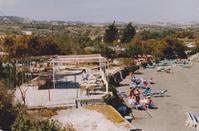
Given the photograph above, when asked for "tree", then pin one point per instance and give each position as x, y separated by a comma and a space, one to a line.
108, 52
15, 117
111, 34
8, 75
146, 35
1, 69
169, 53
33, 46
180, 50
23, 90
8, 42
67, 45
7, 114
49, 47
21, 50
83, 41
134, 50
174, 49
156, 48
128, 33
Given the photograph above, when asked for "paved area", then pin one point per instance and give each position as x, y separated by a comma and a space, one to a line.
53, 97
183, 91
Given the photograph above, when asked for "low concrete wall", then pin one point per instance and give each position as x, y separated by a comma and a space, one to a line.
116, 78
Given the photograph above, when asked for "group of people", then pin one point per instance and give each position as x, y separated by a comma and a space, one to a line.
134, 94
140, 82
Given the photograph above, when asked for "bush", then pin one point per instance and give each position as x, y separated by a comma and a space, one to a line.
7, 113
47, 113
114, 100
17, 118
128, 62
25, 122
110, 99
133, 68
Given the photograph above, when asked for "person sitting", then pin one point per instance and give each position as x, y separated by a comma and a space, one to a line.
133, 84
168, 70
150, 104
131, 89
145, 83
85, 75
130, 93
132, 102
147, 91
132, 78
136, 93
151, 81
136, 80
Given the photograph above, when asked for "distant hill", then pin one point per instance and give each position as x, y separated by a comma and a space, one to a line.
23, 20
14, 19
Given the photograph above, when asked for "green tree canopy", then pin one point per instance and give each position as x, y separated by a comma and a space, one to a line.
128, 33
111, 33
133, 50
174, 49
7, 114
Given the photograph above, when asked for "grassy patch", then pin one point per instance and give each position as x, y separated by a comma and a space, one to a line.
107, 111
47, 113
44, 113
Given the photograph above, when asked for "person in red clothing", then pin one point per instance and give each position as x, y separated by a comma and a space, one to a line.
136, 93
150, 104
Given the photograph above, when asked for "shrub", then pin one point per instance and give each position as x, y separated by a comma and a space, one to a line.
112, 99
109, 99
133, 68
47, 113
25, 122
7, 114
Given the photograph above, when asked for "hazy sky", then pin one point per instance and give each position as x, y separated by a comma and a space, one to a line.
145, 11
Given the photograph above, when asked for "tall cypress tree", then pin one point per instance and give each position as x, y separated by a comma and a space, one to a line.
111, 33
128, 33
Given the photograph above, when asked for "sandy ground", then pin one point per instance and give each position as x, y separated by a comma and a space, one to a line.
183, 91
87, 120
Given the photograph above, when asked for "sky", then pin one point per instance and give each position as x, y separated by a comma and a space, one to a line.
142, 11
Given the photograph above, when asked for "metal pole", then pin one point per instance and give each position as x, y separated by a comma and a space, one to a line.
16, 73
76, 82
53, 75
49, 94
107, 74
48, 88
